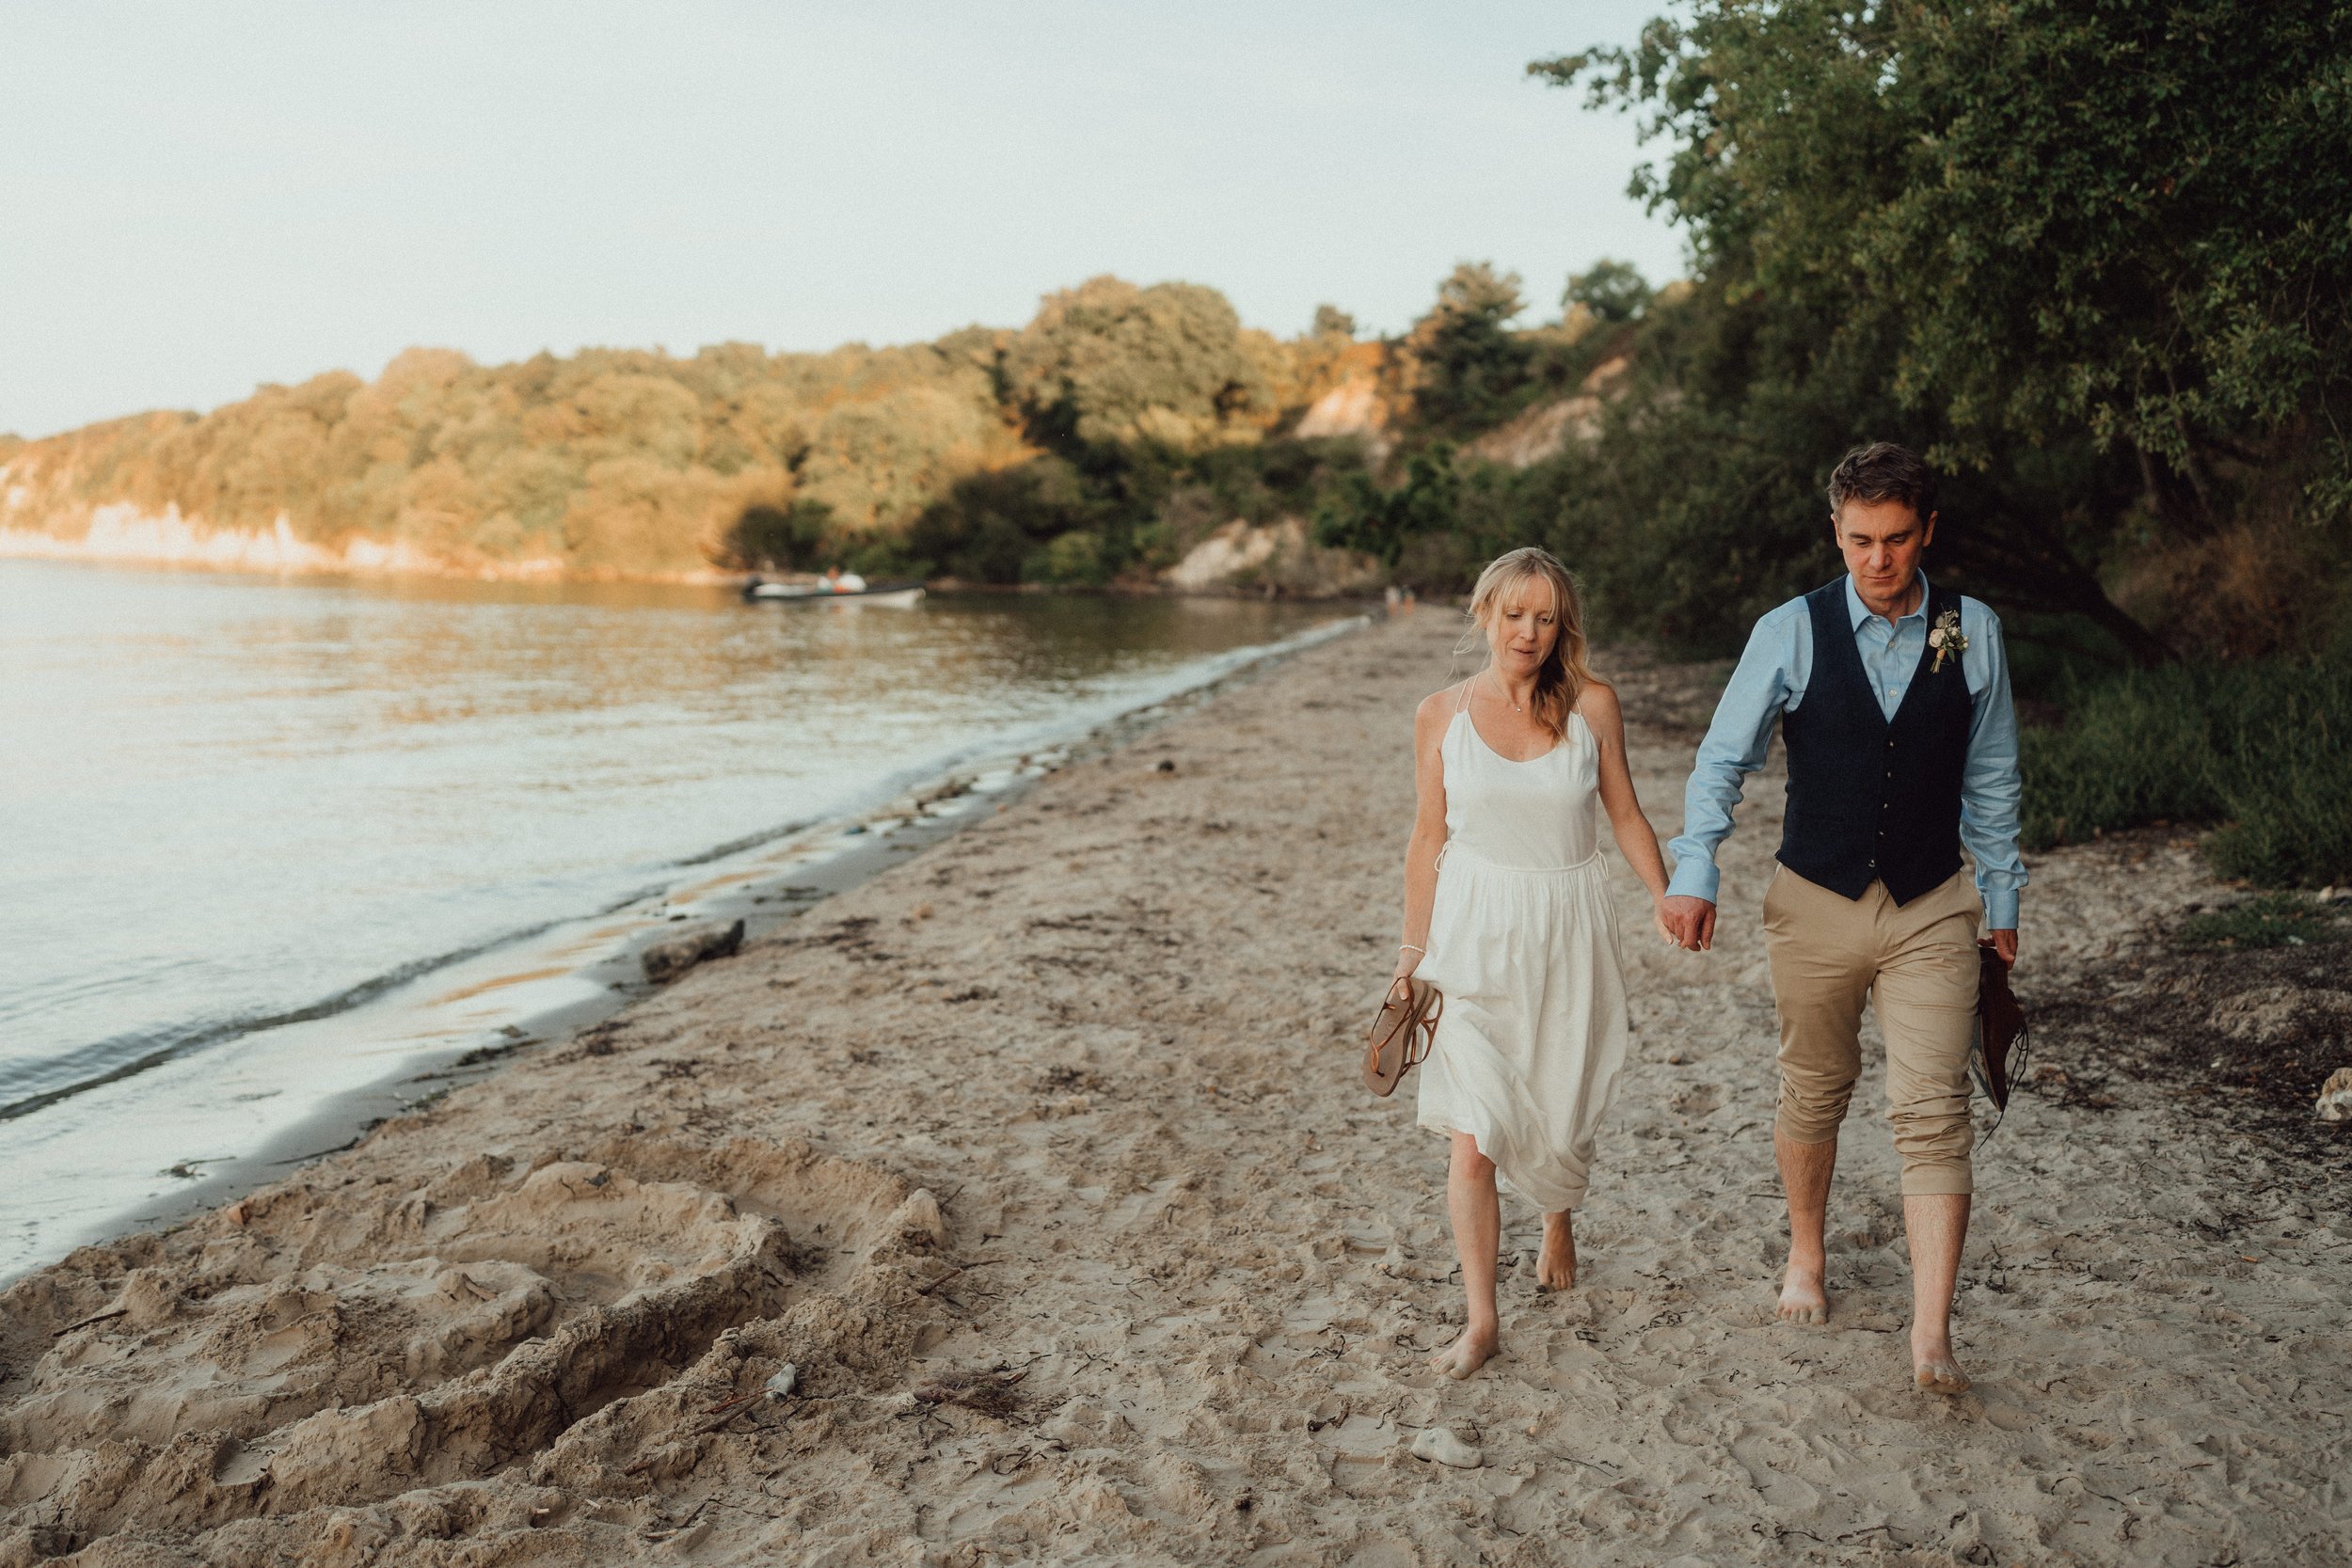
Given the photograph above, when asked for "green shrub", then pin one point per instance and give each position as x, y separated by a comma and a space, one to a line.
2265, 920
1068, 560
2262, 749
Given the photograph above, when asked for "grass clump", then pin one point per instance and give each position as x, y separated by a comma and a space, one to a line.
2262, 749
2268, 920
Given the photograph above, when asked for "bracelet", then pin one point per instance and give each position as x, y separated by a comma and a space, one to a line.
1410, 947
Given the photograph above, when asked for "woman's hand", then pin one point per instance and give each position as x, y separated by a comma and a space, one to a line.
1657, 919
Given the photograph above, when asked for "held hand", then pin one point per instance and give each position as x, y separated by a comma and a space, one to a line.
2003, 942
1666, 926
1691, 921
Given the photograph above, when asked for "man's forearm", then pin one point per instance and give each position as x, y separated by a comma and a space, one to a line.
1708, 802
1736, 739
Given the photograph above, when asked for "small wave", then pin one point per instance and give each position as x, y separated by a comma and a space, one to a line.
108, 1061
749, 841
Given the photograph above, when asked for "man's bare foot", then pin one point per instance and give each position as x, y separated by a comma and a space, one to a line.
1467, 1353
1803, 1298
1934, 1370
1555, 1263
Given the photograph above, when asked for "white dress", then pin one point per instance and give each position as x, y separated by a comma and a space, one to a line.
1523, 945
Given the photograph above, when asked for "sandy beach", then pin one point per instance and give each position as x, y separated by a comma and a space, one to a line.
1041, 1160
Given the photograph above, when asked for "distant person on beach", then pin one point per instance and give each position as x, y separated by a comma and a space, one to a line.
1892, 696
1507, 914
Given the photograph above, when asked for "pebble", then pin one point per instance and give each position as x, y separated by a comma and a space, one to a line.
1436, 1443
785, 1381
2335, 1096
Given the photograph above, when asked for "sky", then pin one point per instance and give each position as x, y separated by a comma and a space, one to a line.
198, 199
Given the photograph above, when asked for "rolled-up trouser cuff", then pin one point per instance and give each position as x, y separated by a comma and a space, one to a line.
1808, 1126
1939, 1179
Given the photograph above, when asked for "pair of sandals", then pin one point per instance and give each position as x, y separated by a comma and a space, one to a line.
1402, 1032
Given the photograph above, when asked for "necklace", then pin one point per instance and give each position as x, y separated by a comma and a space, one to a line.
1505, 692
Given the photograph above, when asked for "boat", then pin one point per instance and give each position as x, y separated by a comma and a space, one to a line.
891, 595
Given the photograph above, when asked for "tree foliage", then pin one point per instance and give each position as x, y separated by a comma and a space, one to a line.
1108, 363
1612, 291
794, 538
1469, 368
2094, 258
625, 461
1361, 515
1332, 322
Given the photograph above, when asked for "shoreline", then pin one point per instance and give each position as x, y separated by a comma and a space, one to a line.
780, 876
283, 556
1040, 1160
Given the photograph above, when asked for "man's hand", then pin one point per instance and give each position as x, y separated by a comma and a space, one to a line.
2003, 942
1692, 922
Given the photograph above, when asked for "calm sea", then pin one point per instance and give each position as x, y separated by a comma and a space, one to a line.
253, 827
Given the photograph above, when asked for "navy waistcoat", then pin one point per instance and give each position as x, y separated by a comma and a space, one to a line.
1870, 799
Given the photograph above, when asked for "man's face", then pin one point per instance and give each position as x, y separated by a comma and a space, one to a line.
1882, 542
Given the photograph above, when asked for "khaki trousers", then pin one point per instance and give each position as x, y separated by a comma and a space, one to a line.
1919, 963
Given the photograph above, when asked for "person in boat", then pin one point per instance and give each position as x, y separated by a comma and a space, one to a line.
840, 581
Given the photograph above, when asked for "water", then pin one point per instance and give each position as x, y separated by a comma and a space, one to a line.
263, 838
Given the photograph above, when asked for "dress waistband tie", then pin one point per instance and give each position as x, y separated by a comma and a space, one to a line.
1597, 858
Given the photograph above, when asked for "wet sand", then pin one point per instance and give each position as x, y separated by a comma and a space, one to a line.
1042, 1159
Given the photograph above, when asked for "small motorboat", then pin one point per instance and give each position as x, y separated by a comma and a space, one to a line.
891, 595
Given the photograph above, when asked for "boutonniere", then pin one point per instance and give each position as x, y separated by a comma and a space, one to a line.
1946, 639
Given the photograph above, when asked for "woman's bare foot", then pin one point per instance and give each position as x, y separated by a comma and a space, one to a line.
1469, 1352
1802, 1297
1934, 1370
1555, 1263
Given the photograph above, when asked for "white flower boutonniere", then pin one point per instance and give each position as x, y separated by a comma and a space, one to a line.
1946, 639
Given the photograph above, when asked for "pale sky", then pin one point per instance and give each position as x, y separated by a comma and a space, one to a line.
197, 197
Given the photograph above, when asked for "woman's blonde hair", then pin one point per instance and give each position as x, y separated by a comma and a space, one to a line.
1564, 676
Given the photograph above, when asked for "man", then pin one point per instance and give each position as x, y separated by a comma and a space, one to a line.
1893, 699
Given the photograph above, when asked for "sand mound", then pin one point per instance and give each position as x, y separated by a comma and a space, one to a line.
557, 1321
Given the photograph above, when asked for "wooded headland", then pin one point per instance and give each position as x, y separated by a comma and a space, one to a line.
2094, 262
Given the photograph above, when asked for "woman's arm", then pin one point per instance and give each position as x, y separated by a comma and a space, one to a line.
1421, 851
1636, 839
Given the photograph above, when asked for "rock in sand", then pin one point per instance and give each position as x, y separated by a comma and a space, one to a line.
1436, 1443
667, 959
2335, 1096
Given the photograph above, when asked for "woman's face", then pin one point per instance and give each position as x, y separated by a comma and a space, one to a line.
1522, 624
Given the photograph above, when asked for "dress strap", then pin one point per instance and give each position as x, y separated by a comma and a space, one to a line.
1464, 701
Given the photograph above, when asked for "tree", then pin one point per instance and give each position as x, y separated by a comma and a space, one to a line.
1468, 368
1108, 363
1612, 291
1360, 516
2091, 256
1332, 322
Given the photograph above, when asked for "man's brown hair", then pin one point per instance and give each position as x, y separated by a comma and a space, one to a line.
1883, 471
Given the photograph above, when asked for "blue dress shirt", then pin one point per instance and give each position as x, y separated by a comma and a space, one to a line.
1772, 680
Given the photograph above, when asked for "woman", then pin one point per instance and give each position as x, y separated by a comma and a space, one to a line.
1507, 914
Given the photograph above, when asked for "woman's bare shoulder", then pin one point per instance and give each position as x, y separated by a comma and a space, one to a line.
1598, 703
1440, 704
